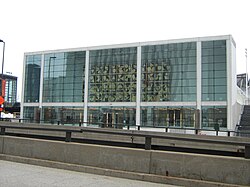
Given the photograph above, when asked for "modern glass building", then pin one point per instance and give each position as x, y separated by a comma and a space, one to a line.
183, 83
10, 90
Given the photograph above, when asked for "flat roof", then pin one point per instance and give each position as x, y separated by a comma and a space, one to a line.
136, 44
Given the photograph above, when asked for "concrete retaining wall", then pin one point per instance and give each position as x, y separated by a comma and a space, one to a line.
202, 167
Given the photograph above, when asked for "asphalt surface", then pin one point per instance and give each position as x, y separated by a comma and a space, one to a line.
14, 174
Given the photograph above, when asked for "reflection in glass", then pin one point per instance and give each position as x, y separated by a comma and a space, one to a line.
168, 116
214, 71
111, 116
64, 77
63, 115
32, 78
113, 75
169, 72
212, 116
31, 114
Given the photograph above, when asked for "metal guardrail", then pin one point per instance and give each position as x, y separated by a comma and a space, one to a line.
148, 139
68, 132
128, 126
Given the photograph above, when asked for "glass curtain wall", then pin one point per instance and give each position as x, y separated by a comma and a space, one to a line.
168, 116
169, 72
31, 114
64, 77
214, 115
63, 115
10, 92
111, 116
214, 71
113, 75
32, 78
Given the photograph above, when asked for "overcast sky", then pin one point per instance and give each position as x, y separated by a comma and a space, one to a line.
35, 25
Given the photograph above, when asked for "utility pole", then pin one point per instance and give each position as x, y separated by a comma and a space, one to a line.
246, 77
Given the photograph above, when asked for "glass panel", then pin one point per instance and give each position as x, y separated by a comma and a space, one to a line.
113, 75
166, 71
32, 78
31, 114
214, 71
63, 74
214, 115
63, 115
168, 116
116, 117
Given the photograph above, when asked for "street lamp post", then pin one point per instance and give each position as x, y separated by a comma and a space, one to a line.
2, 94
246, 77
52, 57
3, 56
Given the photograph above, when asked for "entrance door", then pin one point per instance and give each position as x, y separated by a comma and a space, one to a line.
174, 117
107, 120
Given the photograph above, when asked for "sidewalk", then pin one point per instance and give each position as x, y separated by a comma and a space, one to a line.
14, 174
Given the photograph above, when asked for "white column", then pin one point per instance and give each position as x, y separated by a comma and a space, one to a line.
86, 89
23, 87
229, 85
198, 80
41, 87
138, 87
41, 82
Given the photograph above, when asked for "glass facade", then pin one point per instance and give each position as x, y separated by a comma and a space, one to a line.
177, 116
65, 115
168, 85
111, 116
214, 115
32, 78
113, 75
214, 71
31, 114
10, 90
169, 72
64, 77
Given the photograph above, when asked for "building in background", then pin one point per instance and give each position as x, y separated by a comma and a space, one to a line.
182, 83
10, 90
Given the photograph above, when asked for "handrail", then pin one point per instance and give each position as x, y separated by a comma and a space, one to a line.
67, 131
119, 125
148, 139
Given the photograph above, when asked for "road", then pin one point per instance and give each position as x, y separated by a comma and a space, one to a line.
14, 174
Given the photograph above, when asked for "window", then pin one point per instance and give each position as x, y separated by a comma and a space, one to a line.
214, 71
32, 78
113, 75
169, 72
64, 77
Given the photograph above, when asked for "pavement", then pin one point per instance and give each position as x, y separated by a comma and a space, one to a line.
14, 174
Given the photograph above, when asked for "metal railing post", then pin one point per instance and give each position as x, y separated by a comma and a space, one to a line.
148, 140
247, 151
2, 131
68, 136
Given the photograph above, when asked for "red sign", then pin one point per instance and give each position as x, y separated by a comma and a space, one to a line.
1, 100
3, 87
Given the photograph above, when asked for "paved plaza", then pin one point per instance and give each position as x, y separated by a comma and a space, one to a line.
14, 174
